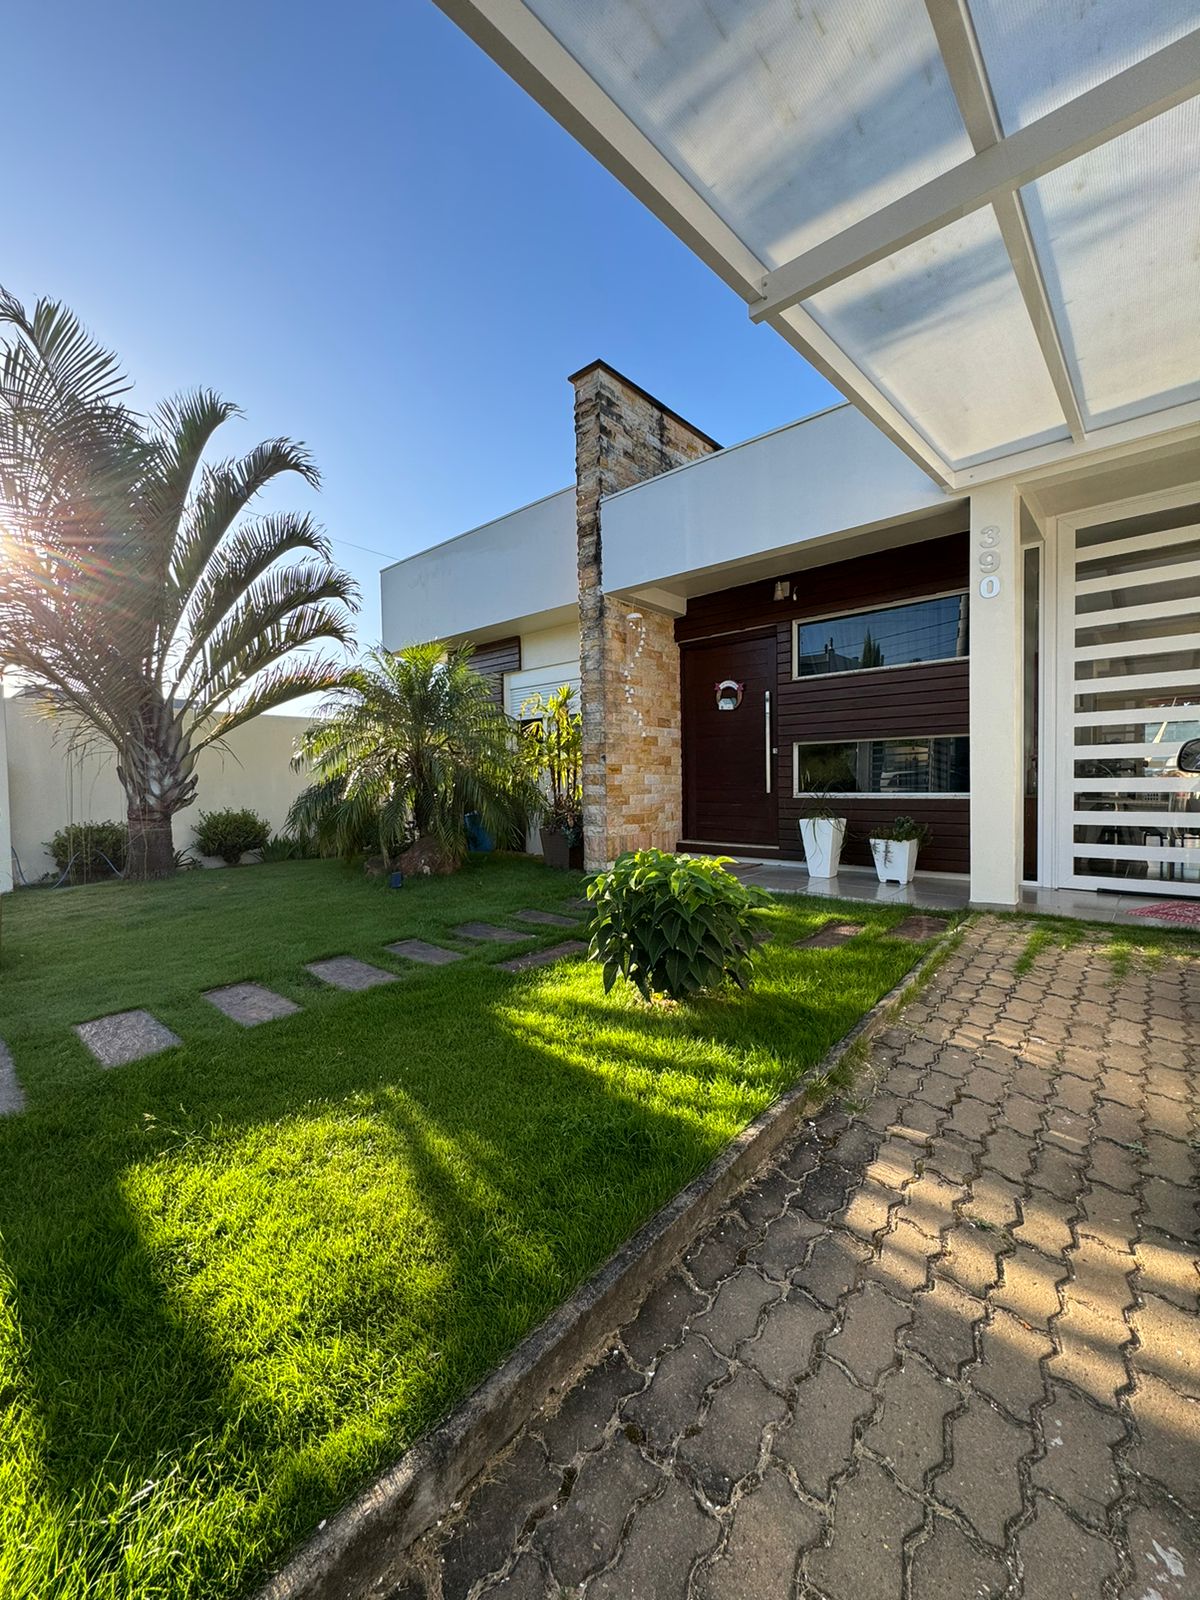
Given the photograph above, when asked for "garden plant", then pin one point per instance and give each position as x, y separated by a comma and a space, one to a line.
672, 925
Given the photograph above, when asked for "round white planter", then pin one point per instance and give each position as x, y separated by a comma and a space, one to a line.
895, 859
823, 839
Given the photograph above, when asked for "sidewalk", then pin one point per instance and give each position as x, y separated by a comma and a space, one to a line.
946, 1348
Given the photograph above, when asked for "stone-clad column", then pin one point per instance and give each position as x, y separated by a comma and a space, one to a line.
629, 663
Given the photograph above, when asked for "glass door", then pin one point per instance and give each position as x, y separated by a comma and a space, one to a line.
1130, 656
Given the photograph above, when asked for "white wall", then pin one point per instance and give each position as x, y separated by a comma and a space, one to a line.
803, 483
47, 787
489, 582
549, 647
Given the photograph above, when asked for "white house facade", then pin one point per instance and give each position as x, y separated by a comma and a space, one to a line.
972, 594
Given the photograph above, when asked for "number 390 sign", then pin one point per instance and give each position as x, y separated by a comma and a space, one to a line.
989, 562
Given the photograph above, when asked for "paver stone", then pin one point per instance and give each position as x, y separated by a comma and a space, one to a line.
125, 1036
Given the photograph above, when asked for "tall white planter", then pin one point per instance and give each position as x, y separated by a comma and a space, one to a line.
823, 839
895, 859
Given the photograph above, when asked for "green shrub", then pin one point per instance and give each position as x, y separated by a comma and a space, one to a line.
290, 847
91, 849
672, 924
230, 833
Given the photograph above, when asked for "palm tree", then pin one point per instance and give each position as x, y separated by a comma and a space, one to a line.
406, 747
136, 594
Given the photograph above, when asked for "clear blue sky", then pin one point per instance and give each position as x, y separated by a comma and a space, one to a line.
348, 220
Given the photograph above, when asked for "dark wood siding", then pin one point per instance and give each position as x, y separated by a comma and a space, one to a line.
930, 567
894, 701
493, 660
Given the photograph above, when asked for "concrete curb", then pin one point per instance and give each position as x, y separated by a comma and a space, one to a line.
362, 1549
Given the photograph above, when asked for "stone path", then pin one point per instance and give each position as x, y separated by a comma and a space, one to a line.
125, 1036
431, 955
543, 958
250, 1004
546, 919
12, 1096
129, 1036
346, 972
946, 1348
487, 932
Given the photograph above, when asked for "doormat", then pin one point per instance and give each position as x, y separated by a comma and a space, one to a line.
1186, 912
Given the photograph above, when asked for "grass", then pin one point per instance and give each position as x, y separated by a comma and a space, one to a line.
239, 1277
1122, 951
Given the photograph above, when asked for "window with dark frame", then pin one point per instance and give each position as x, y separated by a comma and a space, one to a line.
936, 765
889, 636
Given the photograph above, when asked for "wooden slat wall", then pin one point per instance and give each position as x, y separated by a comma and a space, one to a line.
494, 660
895, 701
930, 567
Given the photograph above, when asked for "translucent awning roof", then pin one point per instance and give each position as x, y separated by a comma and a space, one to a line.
980, 218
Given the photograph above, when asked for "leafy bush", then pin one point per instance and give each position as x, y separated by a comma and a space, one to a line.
230, 833
672, 924
92, 849
289, 847
900, 831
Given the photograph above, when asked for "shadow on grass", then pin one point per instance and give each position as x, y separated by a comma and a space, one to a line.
243, 1277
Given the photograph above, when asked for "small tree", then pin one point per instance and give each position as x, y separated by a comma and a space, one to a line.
405, 748
552, 743
135, 593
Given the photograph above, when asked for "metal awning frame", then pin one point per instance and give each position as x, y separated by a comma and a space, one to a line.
526, 49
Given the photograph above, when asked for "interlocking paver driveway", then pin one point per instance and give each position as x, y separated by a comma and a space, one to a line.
944, 1349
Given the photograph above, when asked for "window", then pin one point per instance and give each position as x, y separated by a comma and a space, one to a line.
893, 636
916, 766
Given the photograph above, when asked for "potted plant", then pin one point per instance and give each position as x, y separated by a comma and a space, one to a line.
553, 748
822, 830
895, 846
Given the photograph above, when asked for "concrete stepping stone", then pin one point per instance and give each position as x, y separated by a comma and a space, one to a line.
250, 1003
433, 955
488, 931
833, 933
12, 1096
125, 1036
344, 972
918, 928
547, 919
580, 903
543, 958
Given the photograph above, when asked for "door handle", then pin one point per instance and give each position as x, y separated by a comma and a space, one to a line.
767, 734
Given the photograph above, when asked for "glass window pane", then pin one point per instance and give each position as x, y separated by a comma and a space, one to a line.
929, 630
886, 766
791, 121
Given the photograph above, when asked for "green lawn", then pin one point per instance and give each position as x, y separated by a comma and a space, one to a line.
237, 1278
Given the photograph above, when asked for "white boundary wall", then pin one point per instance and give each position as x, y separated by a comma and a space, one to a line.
42, 787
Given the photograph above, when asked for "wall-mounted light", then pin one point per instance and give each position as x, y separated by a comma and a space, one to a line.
783, 589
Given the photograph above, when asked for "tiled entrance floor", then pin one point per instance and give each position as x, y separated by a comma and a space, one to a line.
946, 892
947, 1347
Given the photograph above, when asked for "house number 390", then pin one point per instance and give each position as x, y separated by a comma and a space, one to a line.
989, 562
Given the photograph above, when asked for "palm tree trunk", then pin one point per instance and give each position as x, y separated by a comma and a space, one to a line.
151, 844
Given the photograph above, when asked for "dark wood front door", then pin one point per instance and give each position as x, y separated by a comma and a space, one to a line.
728, 761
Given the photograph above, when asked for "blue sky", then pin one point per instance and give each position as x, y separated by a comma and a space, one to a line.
348, 220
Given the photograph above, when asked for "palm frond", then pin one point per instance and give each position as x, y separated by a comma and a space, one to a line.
226, 490
246, 555
275, 687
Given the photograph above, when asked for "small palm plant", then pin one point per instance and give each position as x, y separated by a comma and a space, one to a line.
552, 742
405, 748
135, 593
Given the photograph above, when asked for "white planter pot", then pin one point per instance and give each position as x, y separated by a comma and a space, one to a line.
895, 859
823, 839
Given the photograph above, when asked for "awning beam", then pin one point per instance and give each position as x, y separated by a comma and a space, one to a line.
1129, 98
965, 67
